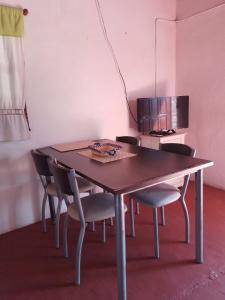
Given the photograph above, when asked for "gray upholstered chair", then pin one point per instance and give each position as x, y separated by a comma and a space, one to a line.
43, 170
162, 194
95, 207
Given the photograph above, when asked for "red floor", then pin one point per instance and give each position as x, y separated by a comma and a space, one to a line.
31, 268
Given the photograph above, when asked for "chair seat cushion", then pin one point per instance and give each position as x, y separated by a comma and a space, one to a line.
96, 207
84, 185
158, 195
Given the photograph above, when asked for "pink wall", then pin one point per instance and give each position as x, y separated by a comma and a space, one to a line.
73, 89
201, 74
187, 8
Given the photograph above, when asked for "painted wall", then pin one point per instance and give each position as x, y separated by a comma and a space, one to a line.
201, 74
72, 88
187, 8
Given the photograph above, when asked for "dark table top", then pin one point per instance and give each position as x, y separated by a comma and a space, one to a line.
147, 168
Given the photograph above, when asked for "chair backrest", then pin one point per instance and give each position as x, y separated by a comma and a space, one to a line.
183, 150
178, 148
41, 163
129, 140
61, 176
66, 184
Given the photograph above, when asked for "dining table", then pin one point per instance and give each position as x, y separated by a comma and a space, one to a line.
144, 168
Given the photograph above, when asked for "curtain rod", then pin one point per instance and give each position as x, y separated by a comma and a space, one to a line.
25, 10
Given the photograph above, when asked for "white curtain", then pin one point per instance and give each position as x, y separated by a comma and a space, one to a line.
13, 122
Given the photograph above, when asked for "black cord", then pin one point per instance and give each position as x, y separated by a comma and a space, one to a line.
102, 23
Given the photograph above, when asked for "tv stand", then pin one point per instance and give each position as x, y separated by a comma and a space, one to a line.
162, 132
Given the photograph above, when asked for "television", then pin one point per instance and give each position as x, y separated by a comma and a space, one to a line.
162, 115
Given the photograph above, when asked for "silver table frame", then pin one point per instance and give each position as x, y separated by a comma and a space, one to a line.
121, 239
197, 169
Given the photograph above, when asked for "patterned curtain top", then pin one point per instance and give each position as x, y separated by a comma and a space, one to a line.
11, 21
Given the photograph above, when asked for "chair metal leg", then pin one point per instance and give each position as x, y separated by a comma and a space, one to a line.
156, 233
103, 232
137, 208
66, 200
57, 223
111, 221
93, 226
65, 236
78, 253
162, 212
43, 212
91, 192
187, 221
51, 203
132, 226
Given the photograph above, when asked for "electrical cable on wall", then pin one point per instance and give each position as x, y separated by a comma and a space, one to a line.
155, 51
176, 21
102, 23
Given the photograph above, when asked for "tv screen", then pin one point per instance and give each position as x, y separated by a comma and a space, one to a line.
160, 114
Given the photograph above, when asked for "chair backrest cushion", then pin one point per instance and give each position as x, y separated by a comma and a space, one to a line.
41, 163
62, 177
66, 183
183, 150
178, 149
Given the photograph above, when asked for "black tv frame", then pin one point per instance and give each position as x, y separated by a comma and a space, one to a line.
162, 115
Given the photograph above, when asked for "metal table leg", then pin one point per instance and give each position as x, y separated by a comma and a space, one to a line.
120, 247
51, 204
199, 216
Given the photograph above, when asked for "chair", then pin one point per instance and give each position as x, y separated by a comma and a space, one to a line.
128, 139
43, 170
132, 140
95, 207
162, 194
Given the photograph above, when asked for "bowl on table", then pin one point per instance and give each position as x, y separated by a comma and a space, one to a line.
105, 149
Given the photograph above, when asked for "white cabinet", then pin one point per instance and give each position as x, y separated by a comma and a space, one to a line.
153, 142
